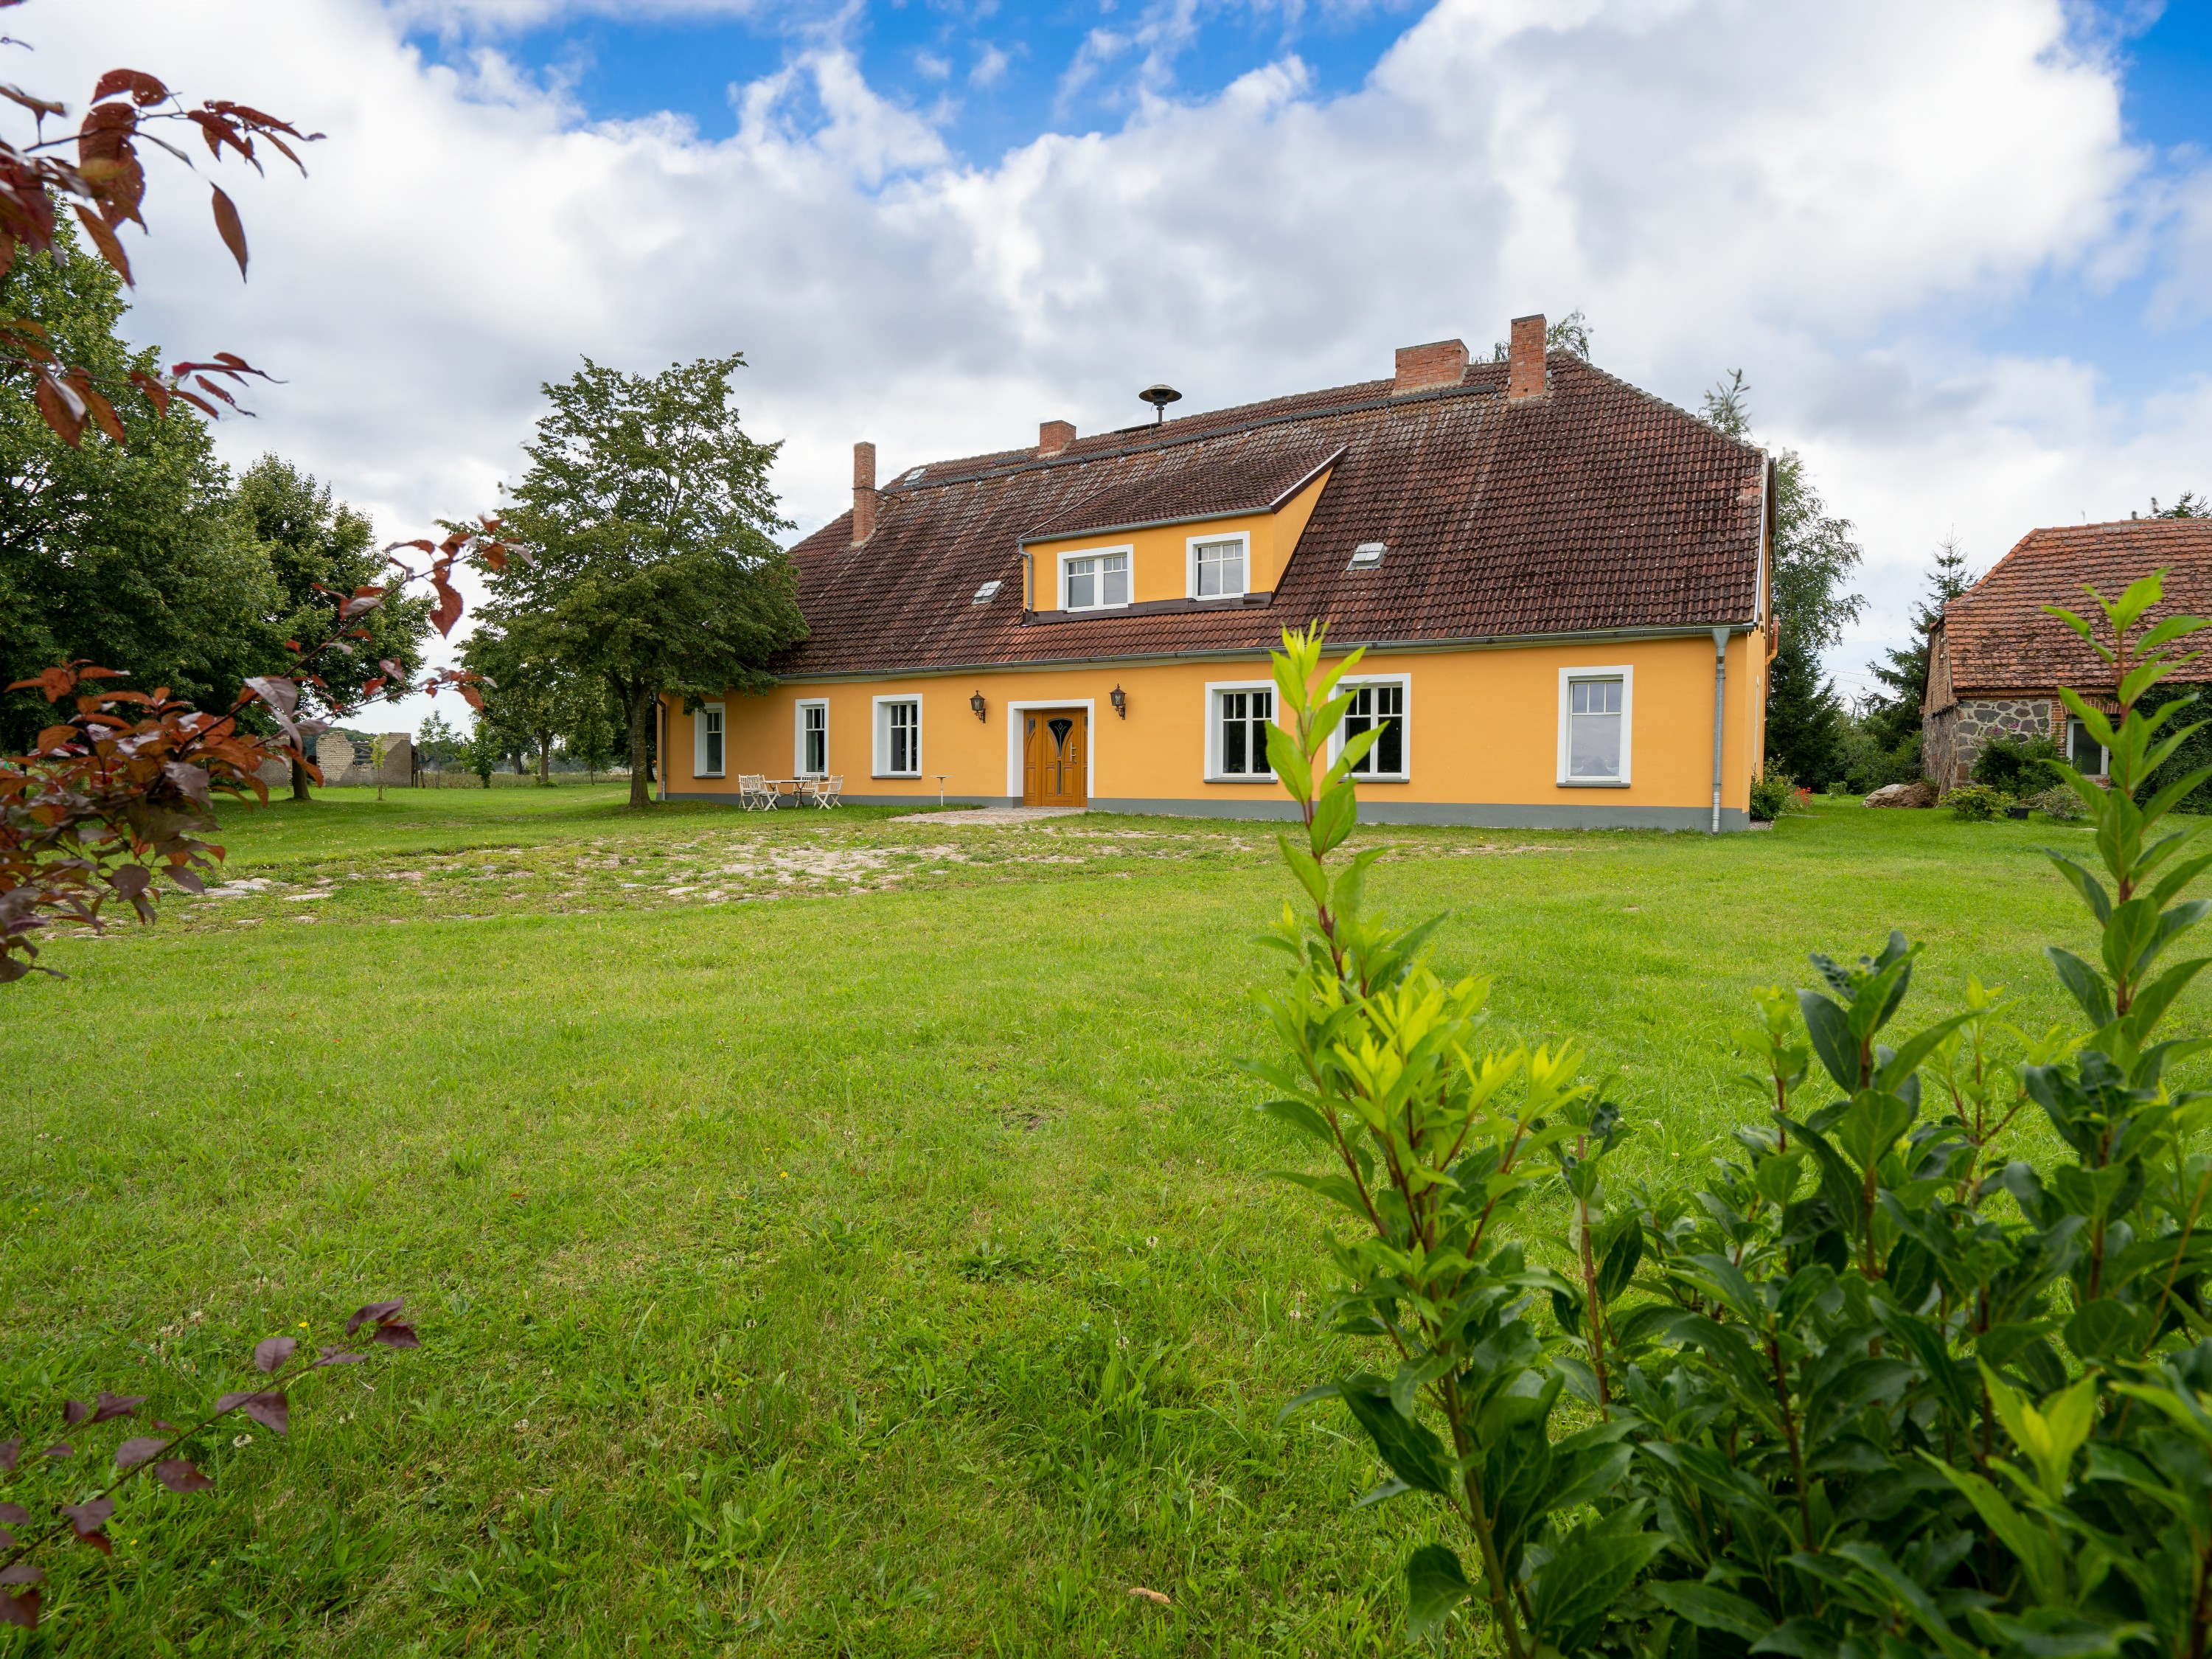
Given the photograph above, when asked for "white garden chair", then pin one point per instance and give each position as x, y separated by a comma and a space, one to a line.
825, 791
753, 792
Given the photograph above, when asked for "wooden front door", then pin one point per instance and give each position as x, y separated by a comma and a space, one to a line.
1055, 747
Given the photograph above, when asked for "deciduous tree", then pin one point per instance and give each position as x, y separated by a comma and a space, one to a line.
650, 519
132, 555
321, 552
1815, 551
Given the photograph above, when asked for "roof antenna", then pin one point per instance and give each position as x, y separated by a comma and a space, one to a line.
1159, 396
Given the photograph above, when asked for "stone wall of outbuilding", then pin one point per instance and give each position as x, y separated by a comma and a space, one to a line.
1951, 738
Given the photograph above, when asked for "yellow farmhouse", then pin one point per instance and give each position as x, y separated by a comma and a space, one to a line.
1562, 584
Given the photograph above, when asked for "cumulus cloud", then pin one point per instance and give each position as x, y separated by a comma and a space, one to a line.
1817, 194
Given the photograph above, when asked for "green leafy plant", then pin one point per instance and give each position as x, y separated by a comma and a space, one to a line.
2018, 766
1769, 795
1885, 1385
1977, 803
1435, 1143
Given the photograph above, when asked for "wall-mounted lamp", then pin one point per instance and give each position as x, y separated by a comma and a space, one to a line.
975, 703
1119, 699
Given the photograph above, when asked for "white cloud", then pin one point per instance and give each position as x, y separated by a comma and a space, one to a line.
1819, 194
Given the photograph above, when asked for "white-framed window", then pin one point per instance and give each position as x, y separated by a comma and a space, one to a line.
898, 738
707, 741
2084, 753
1237, 715
1377, 703
1596, 726
1097, 580
1220, 566
809, 752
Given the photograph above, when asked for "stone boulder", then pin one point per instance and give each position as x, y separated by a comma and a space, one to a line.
1919, 792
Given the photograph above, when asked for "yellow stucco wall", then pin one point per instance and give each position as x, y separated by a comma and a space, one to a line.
1482, 728
1159, 558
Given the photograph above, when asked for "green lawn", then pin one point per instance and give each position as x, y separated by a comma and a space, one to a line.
826, 1232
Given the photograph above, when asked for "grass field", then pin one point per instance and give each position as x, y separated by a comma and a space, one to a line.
826, 1233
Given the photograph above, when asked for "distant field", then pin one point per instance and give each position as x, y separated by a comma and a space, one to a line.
827, 1234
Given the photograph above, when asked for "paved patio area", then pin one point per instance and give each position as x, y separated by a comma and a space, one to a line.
991, 815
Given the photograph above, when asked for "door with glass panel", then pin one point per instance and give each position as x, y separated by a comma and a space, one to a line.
1055, 745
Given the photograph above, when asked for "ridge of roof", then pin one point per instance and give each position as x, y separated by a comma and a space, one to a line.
1357, 397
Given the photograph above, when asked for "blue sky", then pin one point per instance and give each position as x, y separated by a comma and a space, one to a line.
994, 75
990, 76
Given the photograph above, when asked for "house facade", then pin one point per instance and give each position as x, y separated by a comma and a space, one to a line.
1561, 584
1996, 659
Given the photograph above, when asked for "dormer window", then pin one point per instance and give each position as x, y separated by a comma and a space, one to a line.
1095, 581
1218, 566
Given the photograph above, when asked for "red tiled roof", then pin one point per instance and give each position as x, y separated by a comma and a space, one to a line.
1593, 507
1998, 638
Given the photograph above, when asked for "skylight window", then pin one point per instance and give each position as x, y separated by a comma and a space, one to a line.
913, 472
987, 591
1367, 555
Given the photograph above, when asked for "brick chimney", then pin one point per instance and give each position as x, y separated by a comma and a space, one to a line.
1524, 358
1421, 367
864, 492
1052, 436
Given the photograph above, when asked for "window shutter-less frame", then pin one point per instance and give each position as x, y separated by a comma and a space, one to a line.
708, 739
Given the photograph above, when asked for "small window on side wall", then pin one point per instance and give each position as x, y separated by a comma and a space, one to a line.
1594, 715
707, 741
2083, 752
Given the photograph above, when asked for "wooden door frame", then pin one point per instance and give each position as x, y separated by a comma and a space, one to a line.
1015, 713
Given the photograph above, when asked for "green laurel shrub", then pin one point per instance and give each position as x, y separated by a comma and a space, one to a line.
2018, 766
1977, 803
1769, 795
1888, 1385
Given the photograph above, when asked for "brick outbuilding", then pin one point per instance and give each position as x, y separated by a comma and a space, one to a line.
1997, 658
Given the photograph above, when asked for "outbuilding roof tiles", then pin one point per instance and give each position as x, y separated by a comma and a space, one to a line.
1999, 639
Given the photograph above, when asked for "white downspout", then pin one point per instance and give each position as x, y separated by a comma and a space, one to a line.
1719, 713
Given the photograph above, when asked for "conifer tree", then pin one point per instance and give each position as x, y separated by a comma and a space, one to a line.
1804, 720
1893, 717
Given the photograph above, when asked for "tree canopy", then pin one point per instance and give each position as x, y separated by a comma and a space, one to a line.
319, 550
1815, 551
651, 520
2187, 505
132, 555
